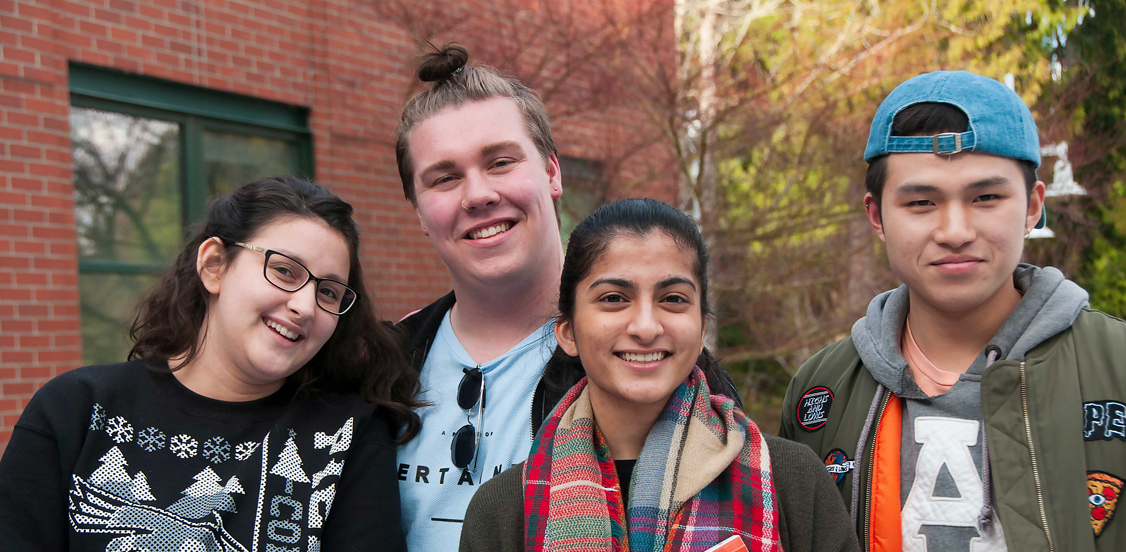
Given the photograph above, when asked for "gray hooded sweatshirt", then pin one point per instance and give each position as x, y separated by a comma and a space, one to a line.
944, 456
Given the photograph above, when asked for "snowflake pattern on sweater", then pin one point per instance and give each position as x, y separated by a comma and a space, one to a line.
112, 501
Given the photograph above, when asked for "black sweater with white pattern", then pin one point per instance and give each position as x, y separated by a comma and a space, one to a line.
124, 457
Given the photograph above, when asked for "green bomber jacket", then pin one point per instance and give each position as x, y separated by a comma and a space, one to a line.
1055, 423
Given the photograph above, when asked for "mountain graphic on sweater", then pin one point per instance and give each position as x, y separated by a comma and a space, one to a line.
143, 527
207, 495
112, 477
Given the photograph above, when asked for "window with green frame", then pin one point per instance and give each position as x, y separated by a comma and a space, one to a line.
148, 156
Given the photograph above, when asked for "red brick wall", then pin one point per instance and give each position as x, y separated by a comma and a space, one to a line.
339, 58
39, 324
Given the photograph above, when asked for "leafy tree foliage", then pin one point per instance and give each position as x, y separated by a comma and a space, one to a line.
1088, 105
760, 110
779, 145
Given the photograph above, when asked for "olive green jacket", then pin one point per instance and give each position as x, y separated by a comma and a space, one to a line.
1052, 421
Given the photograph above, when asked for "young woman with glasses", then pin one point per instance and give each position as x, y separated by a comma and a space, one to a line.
262, 395
640, 454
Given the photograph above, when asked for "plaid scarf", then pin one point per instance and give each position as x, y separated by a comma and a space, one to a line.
703, 475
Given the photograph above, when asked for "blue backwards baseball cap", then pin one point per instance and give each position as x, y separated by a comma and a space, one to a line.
999, 121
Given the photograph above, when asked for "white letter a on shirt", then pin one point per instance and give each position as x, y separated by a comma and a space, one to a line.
946, 442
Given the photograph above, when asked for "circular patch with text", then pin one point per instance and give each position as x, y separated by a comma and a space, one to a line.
838, 465
813, 408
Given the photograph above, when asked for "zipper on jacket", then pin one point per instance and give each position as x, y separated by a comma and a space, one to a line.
1032, 454
532, 415
540, 390
867, 525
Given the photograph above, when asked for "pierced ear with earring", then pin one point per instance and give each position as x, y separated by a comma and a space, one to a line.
1027, 232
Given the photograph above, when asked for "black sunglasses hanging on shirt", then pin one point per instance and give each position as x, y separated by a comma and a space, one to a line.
467, 439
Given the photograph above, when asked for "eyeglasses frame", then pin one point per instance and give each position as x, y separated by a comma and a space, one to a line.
317, 281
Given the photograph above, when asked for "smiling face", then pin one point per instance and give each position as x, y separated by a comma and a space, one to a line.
954, 227
484, 193
257, 335
638, 323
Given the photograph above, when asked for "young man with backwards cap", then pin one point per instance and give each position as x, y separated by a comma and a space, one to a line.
981, 405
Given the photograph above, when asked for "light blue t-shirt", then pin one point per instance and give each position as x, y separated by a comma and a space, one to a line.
433, 492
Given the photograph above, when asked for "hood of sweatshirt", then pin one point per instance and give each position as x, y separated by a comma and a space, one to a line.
1050, 305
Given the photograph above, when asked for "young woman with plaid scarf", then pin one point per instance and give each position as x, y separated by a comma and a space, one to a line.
639, 455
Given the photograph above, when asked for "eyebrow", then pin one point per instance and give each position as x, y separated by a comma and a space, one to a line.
497, 147
669, 282
616, 282
910, 189
623, 283
443, 165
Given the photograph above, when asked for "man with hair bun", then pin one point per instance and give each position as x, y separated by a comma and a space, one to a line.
981, 406
478, 164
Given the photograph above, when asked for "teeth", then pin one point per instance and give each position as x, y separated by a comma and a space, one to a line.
490, 231
636, 357
292, 336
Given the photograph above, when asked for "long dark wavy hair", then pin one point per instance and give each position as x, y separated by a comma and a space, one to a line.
363, 353
589, 241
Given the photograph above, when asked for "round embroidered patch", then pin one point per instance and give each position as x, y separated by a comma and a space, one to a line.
813, 408
838, 465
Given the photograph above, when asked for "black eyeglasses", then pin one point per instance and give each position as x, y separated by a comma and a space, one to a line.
288, 274
463, 449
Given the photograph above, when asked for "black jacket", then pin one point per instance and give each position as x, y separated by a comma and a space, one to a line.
561, 373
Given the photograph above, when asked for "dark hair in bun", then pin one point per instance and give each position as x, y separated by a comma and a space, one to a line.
456, 83
440, 65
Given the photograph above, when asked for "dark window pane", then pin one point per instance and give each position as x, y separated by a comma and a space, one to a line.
134, 196
126, 181
584, 190
234, 159
108, 301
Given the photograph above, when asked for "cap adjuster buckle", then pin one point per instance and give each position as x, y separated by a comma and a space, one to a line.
957, 143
